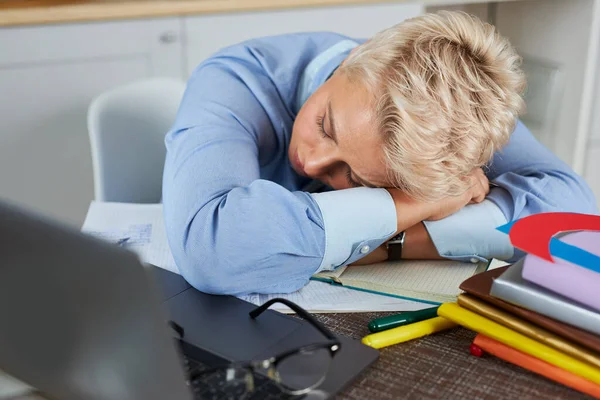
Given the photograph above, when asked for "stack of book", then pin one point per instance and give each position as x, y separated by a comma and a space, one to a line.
539, 314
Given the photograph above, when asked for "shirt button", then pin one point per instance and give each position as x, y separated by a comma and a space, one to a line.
474, 260
365, 249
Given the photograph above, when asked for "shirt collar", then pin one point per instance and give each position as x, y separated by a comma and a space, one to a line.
320, 69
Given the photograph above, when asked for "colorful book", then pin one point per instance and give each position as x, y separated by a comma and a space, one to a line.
480, 285
480, 324
536, 365
511, 287
565, 278
433, 282
528, 329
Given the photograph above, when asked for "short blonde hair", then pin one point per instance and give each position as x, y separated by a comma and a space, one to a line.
448, 90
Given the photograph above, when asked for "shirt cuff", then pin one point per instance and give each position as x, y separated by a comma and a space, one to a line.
471, 235
356, 221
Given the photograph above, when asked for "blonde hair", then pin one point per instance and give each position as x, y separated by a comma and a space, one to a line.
448, 90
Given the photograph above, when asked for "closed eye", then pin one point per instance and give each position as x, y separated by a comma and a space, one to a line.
321, 127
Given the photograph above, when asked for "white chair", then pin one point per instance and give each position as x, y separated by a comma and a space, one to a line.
127, 127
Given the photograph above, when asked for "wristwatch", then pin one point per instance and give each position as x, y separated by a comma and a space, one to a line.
395, 245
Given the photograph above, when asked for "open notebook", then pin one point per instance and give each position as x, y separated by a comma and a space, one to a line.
425, 281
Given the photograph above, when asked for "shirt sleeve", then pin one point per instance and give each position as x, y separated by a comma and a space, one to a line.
232, 232
471, 234
348, 222
530, 179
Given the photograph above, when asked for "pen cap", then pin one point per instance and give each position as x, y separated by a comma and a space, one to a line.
393, 321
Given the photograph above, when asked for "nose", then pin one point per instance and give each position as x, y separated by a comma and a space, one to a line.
318, 164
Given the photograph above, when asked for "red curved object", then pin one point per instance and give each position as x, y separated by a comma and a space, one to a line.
533, 233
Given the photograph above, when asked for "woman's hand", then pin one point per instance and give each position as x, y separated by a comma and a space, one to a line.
480, 187
410, 212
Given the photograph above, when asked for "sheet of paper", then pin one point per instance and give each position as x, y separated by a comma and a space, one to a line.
495, 263
323, 297
141, 224
11, 388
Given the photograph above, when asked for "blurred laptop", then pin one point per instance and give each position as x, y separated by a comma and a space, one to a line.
84, 319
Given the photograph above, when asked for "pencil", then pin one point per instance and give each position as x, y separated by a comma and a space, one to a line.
536, 365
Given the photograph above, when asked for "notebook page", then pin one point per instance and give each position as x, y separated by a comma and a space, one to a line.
141, 224
437, 277
323, 297
335, 274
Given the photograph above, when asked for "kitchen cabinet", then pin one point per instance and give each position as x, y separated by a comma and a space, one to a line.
206, 34
48, 76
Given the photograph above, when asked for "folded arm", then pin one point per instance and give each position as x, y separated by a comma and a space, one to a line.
232, 231
530, 179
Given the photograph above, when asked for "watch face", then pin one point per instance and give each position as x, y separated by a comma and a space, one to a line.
399, 238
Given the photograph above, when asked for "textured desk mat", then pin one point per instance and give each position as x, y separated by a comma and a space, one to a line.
439, 367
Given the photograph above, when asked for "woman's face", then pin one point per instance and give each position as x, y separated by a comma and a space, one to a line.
335, 138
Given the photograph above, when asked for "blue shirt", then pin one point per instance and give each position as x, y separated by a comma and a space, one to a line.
240, 220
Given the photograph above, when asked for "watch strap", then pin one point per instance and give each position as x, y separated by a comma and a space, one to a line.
395, 246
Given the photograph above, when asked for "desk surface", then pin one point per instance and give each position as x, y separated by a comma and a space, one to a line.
440, 367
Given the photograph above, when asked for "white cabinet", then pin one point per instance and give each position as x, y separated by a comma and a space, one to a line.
592, 169
553, 37
48, 76
208, 33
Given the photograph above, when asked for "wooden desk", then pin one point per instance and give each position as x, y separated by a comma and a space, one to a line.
440, 367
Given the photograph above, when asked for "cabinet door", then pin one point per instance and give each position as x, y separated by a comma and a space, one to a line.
592, 170
206, 34
48, 77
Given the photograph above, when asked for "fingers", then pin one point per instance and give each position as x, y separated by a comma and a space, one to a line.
481, 186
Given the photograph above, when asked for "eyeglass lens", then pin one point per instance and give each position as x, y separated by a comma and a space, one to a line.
304, 370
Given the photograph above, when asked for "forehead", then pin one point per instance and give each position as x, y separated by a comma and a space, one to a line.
359, 139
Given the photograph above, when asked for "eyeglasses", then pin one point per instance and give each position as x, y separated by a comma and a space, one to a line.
296, 371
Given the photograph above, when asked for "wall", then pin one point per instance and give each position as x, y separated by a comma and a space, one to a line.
553, 33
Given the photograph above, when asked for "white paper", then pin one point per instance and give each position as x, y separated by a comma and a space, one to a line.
142, 224
144, 228
323, 297
495, 263
11, 388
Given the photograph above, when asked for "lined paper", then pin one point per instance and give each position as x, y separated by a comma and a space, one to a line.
422, 279
323, 297
143, 224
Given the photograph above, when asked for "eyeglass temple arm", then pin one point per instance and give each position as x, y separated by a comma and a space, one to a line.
299, 310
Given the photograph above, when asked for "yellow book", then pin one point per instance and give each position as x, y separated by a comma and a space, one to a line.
528, 329
432, 282
494, 330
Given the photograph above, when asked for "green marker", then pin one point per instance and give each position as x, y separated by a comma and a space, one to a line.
393, 321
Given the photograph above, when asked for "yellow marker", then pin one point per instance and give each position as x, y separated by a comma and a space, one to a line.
407, 332
494, 330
